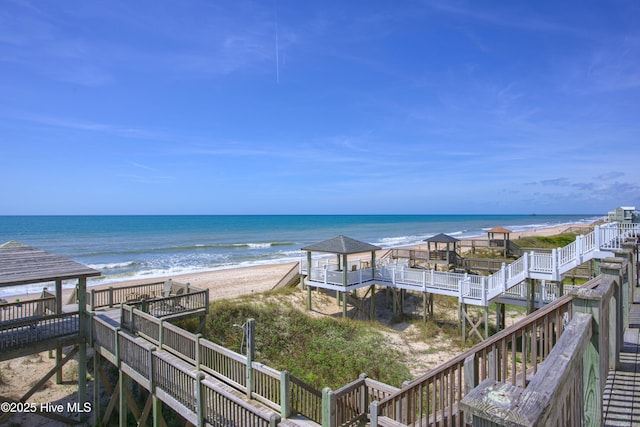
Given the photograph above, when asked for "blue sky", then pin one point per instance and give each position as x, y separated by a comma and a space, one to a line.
327, 107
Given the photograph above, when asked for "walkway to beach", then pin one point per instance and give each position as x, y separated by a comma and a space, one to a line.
621, 400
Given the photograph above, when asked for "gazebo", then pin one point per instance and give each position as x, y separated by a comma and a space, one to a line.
32, 326
438, 254
341, 246
496, 242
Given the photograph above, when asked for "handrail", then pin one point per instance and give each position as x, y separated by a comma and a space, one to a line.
542, 401
435, 395
533, 265
304, 399
288, 278
174, 380
16, 310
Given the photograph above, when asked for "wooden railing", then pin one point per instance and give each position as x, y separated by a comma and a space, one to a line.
16, 310
292, 277
154, 292
515, 356
553, 397
567, 388
113, 296
508, 356
543, 266
215, 360
349, 405
25, 332
303, 399
191, 392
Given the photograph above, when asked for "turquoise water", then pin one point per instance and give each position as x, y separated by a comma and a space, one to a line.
126, 247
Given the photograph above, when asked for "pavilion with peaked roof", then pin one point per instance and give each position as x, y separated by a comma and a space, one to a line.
496, 242
448, 254
33, 326
338, 276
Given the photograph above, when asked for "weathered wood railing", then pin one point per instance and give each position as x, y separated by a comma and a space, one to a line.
349, 404
515, 355
303, 399
553, 397
192, 393
508, 356
567, 388
25, 332
15, 310
217, 361
114, 296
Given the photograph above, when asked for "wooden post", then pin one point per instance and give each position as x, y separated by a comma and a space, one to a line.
463, 319
344, 303
285, 395
251, 347
431, 306
612, 272
470, 380
122, 390
424, 307
328, 408
82, 354
486, 322
96, 388
157, 410
531, 289
344, 284
200, 402
59, 349
372, 309
596, 357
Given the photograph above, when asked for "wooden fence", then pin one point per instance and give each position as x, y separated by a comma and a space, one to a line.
194, 394
515, 356
154, 291
10, 311
509, 356
258, 381
567, 390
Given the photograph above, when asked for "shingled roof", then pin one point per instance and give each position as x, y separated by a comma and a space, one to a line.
22, 264
499, 229
441, 238
341, 245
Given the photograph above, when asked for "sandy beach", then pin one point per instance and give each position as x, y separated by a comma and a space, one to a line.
18, 375
234, 282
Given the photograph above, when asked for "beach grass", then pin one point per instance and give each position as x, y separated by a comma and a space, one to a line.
322, 351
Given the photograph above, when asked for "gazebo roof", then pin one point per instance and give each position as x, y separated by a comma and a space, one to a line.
441, 238
499, 229
341, 245
21, 264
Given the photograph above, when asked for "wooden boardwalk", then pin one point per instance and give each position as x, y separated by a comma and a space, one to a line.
621, 400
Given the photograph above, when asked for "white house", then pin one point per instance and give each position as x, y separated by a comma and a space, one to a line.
624, 214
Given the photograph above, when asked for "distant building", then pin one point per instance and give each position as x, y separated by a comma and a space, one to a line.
624, 214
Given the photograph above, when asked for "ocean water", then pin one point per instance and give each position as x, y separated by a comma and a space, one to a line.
130, 247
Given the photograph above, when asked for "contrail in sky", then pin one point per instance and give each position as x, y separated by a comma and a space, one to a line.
275, 8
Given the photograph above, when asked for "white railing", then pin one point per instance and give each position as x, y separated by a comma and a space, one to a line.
476, 289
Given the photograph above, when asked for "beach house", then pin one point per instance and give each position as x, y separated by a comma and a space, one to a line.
624, 214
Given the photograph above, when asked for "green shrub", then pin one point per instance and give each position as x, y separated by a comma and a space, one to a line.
324, 352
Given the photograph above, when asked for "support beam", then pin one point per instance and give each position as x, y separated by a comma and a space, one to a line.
373, 303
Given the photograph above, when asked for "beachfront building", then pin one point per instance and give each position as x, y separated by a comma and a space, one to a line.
499, 238
127, 326
624, 214
41, 324
341, 271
